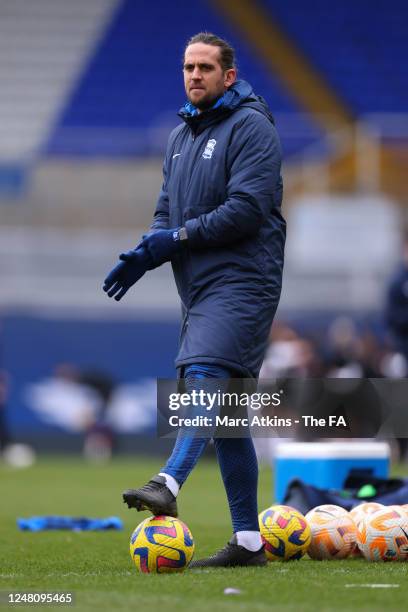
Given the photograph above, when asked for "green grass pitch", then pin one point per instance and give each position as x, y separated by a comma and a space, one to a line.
97, 567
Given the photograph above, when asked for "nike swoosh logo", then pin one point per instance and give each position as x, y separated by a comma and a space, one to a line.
176, 155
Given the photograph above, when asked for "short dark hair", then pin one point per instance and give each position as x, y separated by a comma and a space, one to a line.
227, 52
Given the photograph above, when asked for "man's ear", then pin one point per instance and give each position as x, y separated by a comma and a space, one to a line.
230, 77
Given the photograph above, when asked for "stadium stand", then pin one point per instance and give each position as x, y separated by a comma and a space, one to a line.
99, 78
42, 46
360, 48
126, 100
103, 80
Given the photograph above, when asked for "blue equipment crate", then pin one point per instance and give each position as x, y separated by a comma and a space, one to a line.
327, 464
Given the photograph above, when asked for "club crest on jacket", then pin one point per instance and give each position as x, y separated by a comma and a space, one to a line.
209, 148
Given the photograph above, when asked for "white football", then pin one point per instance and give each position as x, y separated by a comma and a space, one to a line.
383, 535
333, 532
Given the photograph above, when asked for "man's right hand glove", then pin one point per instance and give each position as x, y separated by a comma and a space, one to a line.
131, 269
163, 244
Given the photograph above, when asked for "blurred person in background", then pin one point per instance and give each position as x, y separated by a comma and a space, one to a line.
218, 221
290, 354
99, 436
396, 313
77, 400
342, 360
353, 354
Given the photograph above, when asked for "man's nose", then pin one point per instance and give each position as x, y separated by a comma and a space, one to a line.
196, 73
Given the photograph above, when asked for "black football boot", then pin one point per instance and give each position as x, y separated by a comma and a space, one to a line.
233, 555
154, 496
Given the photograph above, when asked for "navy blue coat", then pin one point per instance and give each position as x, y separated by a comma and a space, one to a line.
222, 182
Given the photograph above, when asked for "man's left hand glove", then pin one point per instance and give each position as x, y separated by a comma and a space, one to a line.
162, 245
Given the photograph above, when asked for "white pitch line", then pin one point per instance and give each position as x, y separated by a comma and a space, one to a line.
381, 585
232, 591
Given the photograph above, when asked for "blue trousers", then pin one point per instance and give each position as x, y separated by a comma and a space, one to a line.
236, 458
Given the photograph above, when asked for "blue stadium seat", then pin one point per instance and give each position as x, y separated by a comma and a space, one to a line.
126, 101
360, 48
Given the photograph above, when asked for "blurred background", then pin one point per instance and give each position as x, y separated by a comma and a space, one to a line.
89, 91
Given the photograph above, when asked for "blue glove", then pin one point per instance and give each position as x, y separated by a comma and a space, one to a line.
131, 269
162, 245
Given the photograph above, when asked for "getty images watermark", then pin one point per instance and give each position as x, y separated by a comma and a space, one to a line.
217, 402
302, 408
212, 400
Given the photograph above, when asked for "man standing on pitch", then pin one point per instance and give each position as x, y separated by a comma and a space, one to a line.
218, 220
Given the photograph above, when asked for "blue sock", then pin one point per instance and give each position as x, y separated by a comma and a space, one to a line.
239, 469
188, 449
